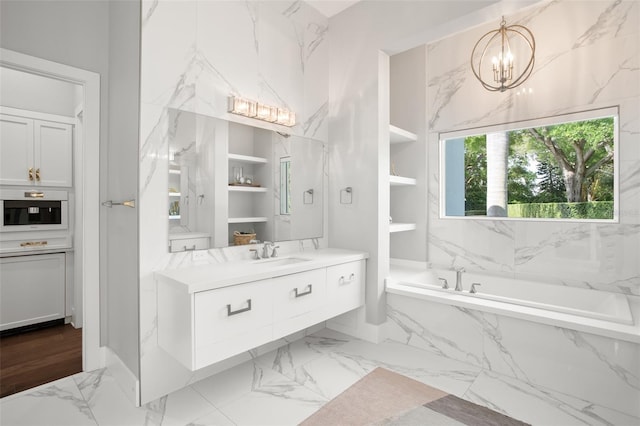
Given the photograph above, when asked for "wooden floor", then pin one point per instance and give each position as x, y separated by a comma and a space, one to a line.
39, 356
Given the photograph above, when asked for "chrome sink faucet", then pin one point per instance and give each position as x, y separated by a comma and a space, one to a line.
265, 249
459, 272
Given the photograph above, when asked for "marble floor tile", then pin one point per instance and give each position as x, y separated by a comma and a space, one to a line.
277, 402
109, 405
57, 403
286, 386
179, 408
232, 384
540, 406
447, 374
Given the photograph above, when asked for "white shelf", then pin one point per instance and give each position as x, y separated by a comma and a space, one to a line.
401, 181
401, 227
247, 219
174, 171
174, 217
247, 159
174, 194
398, 135
238, 188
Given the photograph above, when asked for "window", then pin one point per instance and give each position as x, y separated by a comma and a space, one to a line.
562, 167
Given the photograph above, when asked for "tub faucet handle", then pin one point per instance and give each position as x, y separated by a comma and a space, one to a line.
473, 288
459, 272
445, 284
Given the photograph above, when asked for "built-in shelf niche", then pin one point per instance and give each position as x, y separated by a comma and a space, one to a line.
247, 219
240, 188
401, 227
247, 159
401, 181
399, 136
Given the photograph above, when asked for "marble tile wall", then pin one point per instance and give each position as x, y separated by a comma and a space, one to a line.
194, 54
595, 369
589, 62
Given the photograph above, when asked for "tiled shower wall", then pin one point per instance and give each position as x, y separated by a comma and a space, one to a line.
589, 61
277, 56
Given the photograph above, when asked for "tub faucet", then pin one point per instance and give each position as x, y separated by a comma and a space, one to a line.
459, 272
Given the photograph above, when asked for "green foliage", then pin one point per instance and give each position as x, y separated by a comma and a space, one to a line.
535, 173
587, 210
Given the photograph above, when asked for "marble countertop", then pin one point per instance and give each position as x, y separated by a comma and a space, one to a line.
209, 277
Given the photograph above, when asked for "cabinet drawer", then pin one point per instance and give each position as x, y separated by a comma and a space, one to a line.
297, 294
231, 311
189, 244
345, 287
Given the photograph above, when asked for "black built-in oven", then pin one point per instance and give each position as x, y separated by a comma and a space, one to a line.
33, 210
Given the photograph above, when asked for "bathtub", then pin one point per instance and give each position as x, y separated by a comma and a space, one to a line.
551, 338
595, 311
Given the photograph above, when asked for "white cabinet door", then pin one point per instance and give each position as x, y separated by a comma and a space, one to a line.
298, 300
53, 153
345, 287
16, 150
232, 320
32, 289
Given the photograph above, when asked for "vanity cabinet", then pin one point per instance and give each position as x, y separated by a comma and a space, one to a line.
202, 328
35, 152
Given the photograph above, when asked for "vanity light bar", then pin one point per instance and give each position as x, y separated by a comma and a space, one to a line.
254, 109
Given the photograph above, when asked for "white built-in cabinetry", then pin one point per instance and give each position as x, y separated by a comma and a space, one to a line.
397, 137
34, 151
32, 289
204, 327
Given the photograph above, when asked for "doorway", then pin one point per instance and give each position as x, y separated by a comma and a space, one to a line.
86, 193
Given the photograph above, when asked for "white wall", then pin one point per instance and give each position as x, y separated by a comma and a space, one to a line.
359, 118
194, 55
121, 255
588, 63
36, 93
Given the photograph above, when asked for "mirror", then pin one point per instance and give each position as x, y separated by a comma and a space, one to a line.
557, 168
233, 184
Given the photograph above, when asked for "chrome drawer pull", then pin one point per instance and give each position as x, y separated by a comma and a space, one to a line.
309, 291
239, 311
184, 248
343, 281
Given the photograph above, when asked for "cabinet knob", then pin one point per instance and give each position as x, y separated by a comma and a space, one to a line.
38, 175
31, 174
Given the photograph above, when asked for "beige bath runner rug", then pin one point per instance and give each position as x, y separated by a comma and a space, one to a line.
383, 397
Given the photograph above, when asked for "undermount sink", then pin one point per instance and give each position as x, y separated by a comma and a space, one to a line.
281, 261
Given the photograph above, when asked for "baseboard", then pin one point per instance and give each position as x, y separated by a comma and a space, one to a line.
125, 378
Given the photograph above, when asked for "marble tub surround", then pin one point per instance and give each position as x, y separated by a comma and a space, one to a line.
285, 386
592, 368
599, 53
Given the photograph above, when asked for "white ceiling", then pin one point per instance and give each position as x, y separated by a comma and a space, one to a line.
330, 7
